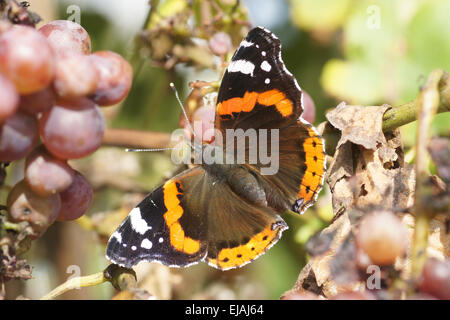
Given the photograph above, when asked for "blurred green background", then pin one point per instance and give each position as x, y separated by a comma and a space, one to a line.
361, 52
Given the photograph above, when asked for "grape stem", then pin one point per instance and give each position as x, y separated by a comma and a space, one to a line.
121, 278
428, 103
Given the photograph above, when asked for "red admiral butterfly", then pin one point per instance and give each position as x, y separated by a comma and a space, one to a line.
229, 214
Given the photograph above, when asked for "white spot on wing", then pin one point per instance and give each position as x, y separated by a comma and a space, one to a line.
137, 223
246, 43
161, 240
242, 66
267, 81
133, 248
146, 244
266, 66
263, 53
118, 236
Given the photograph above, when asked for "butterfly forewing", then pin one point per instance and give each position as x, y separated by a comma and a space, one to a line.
257, 90
166, 226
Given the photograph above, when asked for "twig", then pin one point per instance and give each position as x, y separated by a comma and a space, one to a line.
135, 139
406, 113
76, 283
121, 278
428, 104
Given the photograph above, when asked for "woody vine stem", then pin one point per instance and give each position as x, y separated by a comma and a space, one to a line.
428, 103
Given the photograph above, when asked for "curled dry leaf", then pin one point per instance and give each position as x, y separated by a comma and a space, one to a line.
368, 167
17, 241
316, 275
319, 243
14, 268
343, 267
358, 124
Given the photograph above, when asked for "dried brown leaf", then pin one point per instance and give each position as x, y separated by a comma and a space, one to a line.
343, 268
341, 165
368, 172
319, 243
359, 177
358, 124
316, 275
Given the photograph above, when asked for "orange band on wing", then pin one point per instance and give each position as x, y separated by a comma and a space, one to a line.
178, 240
246, 104
248, 101
315, 168
285, 107
271, 97
234, 257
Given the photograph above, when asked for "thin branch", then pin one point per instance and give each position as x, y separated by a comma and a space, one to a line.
135, 139
406, 113
76, 283
428, 104
121, 278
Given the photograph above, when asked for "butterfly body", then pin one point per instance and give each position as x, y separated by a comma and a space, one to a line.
227, 212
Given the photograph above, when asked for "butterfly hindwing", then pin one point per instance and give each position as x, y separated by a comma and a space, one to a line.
301, 168
241, 227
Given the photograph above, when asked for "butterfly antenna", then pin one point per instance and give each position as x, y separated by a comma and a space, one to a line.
184, 112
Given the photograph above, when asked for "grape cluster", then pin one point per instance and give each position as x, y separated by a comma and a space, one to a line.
51, 87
